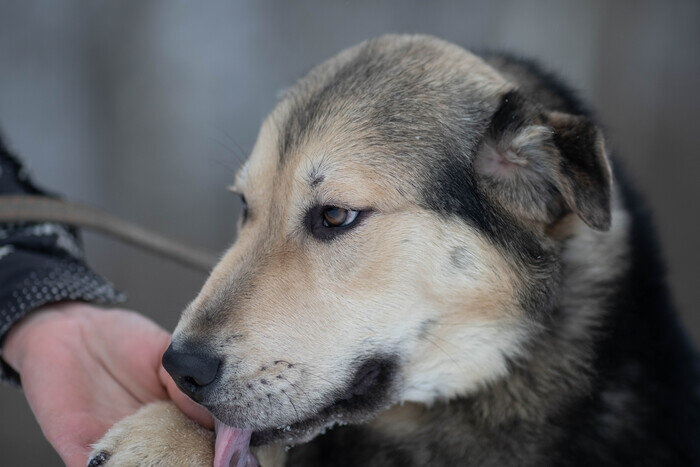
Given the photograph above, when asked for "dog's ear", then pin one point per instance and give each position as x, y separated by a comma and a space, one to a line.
540, 165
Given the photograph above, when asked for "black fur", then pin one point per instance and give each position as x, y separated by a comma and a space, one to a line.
509, 116
547, 88
631, 395
645, 353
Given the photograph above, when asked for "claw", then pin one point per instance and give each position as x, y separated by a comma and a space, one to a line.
99, 459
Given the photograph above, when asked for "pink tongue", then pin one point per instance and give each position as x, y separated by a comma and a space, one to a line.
232, 447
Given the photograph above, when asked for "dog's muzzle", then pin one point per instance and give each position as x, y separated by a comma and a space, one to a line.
192, 369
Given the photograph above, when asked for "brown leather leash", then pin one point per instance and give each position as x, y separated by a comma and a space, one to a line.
34, 208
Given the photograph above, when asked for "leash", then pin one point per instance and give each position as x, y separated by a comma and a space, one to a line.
34, 208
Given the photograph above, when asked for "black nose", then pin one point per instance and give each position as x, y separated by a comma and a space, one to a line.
191, 370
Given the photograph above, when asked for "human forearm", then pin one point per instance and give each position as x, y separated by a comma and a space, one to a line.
40, 263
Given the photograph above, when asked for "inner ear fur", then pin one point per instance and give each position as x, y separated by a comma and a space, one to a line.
540, 165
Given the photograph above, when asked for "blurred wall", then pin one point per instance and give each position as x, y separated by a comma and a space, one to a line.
146, 108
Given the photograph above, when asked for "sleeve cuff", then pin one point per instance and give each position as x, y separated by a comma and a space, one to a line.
38, 280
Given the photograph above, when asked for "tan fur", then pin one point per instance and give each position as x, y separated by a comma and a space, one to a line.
148, 437
160, 435
401, 419
394, 271
406, 282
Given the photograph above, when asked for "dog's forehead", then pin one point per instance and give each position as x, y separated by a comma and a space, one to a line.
394, 104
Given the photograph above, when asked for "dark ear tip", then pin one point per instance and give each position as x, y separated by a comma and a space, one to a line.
601, 221
603, 226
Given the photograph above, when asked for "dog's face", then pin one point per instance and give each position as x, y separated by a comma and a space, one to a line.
397, 243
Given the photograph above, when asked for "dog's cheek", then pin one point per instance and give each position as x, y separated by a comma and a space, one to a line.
472, 319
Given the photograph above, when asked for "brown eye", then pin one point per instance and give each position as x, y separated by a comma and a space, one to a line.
244, 213
333, 216
327, 222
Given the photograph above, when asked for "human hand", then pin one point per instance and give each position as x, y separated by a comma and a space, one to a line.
84, 368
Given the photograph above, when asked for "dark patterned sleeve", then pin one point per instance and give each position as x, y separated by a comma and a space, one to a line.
40, 263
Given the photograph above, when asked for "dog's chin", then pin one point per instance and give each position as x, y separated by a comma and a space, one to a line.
370, 392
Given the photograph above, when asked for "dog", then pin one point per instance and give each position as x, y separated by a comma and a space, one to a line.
438, 263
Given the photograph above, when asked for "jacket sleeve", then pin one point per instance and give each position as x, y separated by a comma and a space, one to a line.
40, 263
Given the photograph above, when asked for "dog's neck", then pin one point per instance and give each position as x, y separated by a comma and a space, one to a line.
561, 352
555, 369
553, 373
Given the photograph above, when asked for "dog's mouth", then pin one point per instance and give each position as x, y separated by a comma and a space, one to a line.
367, 395
233, 447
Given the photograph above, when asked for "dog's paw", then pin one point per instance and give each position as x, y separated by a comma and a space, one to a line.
157, 435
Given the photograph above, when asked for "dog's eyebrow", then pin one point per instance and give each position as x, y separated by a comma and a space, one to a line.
316, 180
239, 179
314, 176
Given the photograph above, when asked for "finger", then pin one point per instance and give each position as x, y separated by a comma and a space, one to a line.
76, 458
73, 443
193, 410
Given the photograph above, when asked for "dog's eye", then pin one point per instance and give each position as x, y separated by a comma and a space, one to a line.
327, 222
333, 216
244, 214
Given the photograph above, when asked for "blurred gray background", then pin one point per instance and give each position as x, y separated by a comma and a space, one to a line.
146, 108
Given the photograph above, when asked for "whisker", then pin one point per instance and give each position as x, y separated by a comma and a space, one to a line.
443, 350
473, 324
242, 151
307, 371
297, 389
229, 150
291, 402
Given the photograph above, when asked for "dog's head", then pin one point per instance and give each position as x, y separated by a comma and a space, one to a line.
404, 207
